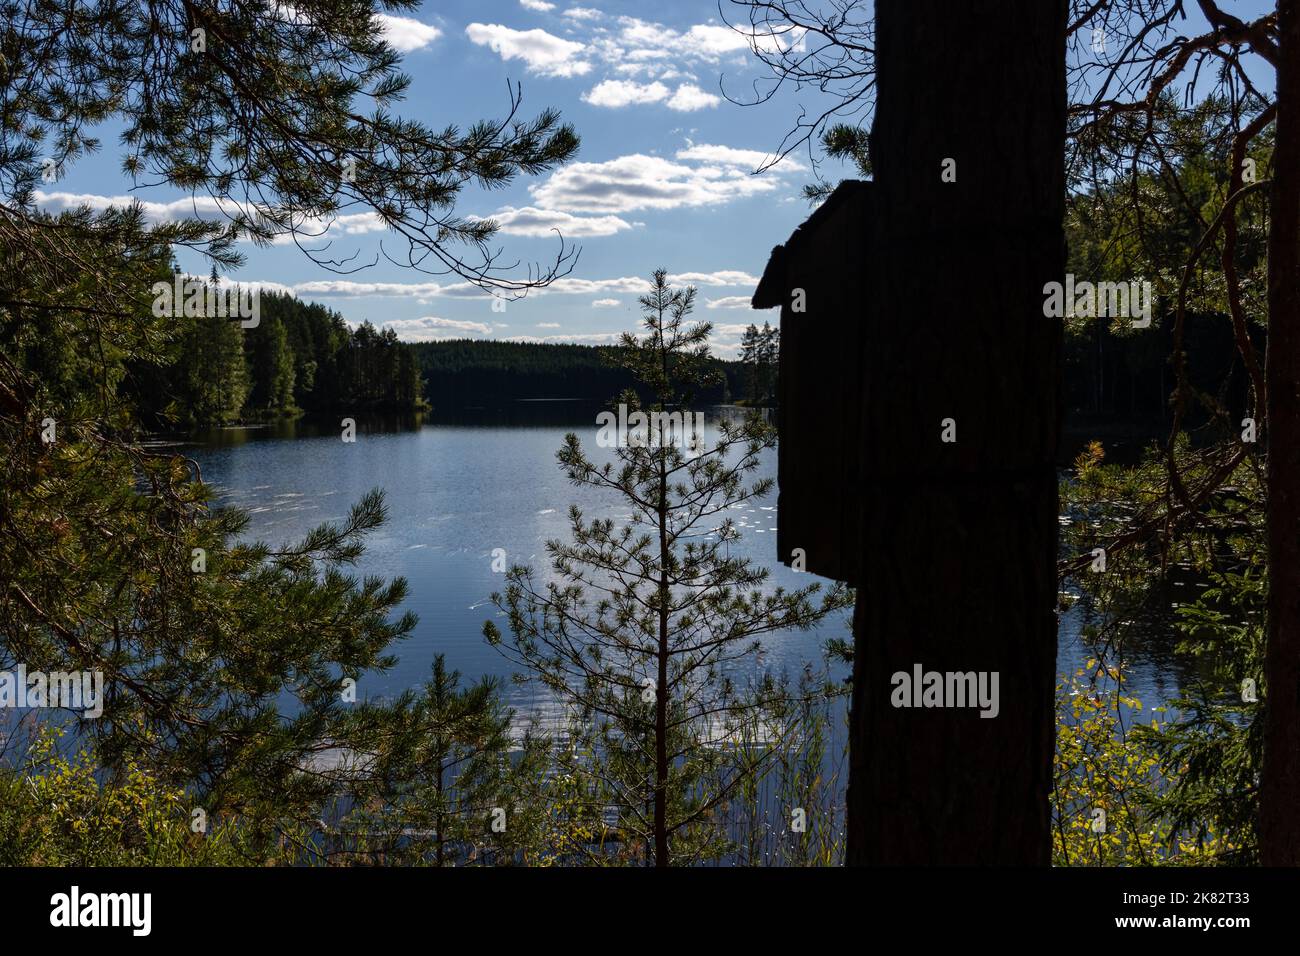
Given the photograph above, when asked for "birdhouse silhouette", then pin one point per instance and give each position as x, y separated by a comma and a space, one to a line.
817, 279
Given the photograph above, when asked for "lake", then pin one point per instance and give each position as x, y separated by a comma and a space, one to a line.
459, 486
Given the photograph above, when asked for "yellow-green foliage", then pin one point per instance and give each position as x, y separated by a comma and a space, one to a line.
1101, 765
55, 812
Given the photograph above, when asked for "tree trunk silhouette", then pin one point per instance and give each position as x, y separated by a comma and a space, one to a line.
1280, 783
959, 537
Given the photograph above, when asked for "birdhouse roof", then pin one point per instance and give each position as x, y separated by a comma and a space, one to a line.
771, 291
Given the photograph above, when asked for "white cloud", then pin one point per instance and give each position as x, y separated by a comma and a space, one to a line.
352, 224
359, 222
531, 221
405, 34
619, 93
630, 47
779, 40
202, 207
430, 328
351, 288
590, 338
747, 159
690, 97
702, 43
225, 282
548, 325
541, 6
616, 94
633, 68
606, 303
207, 207
729, 302
635, 285
641, 35
425, 291
631, 285
646, 53
544, 54
722, 277
711, 42
645, 182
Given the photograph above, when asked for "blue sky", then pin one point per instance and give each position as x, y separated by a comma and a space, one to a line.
665, 176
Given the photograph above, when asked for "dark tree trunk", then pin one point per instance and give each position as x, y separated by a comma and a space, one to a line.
959, 539
1280, 786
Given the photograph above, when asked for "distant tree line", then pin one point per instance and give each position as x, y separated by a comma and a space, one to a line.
466, 372
1112, 374
300, 358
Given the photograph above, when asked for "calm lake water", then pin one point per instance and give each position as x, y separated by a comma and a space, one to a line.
460, 486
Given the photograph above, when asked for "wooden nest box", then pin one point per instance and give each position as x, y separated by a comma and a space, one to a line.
817, 279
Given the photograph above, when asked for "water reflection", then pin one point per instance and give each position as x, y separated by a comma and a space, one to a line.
461, 483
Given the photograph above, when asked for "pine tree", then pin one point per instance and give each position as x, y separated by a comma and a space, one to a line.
445, 766
750, 347
284, 115
640, 628
226, 659
768, 356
